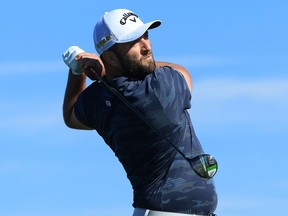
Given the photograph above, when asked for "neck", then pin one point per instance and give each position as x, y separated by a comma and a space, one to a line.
113, 72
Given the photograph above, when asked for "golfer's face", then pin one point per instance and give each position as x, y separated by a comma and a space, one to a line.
137, 57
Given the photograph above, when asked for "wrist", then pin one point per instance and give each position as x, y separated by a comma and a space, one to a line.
69, 57
76, 74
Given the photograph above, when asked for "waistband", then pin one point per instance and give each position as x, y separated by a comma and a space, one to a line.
147, 212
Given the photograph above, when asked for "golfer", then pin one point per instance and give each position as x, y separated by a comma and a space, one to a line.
162, 179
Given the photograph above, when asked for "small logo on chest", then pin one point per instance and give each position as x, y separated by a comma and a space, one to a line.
108, 103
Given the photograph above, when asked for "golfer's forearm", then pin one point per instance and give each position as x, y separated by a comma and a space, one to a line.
75, 85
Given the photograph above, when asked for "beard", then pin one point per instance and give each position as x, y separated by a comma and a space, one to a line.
138, 69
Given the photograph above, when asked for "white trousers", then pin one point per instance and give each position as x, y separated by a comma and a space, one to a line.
147, 212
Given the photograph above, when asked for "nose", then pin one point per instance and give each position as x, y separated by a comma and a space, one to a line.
145, 45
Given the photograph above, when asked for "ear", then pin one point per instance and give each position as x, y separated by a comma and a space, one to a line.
111, 58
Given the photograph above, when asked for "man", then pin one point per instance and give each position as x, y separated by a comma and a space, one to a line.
162, 179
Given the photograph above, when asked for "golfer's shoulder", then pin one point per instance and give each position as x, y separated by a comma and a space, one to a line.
174, 71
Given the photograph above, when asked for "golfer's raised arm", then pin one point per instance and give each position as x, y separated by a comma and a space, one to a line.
75, 85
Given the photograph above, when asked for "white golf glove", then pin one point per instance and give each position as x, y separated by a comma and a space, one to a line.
69, 59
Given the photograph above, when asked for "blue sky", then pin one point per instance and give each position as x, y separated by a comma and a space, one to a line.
236, 52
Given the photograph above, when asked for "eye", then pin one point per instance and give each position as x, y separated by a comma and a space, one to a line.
131, 44
146, 35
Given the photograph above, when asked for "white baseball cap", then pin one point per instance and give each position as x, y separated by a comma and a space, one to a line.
119, 26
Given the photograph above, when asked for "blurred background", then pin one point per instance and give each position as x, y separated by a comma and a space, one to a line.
236, 52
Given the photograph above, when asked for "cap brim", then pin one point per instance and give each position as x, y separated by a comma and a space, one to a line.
139, 32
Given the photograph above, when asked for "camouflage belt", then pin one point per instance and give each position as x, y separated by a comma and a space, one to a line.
147, 212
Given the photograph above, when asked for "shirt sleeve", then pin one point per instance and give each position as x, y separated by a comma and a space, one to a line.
92, 107
82, 108
172, 91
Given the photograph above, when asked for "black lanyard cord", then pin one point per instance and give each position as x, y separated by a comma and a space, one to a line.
140, 115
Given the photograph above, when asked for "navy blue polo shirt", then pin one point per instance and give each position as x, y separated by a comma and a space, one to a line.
161, 178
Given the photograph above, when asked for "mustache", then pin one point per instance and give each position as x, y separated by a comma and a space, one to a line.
145, 55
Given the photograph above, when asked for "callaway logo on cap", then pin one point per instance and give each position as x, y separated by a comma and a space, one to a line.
123, 21
119, 26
